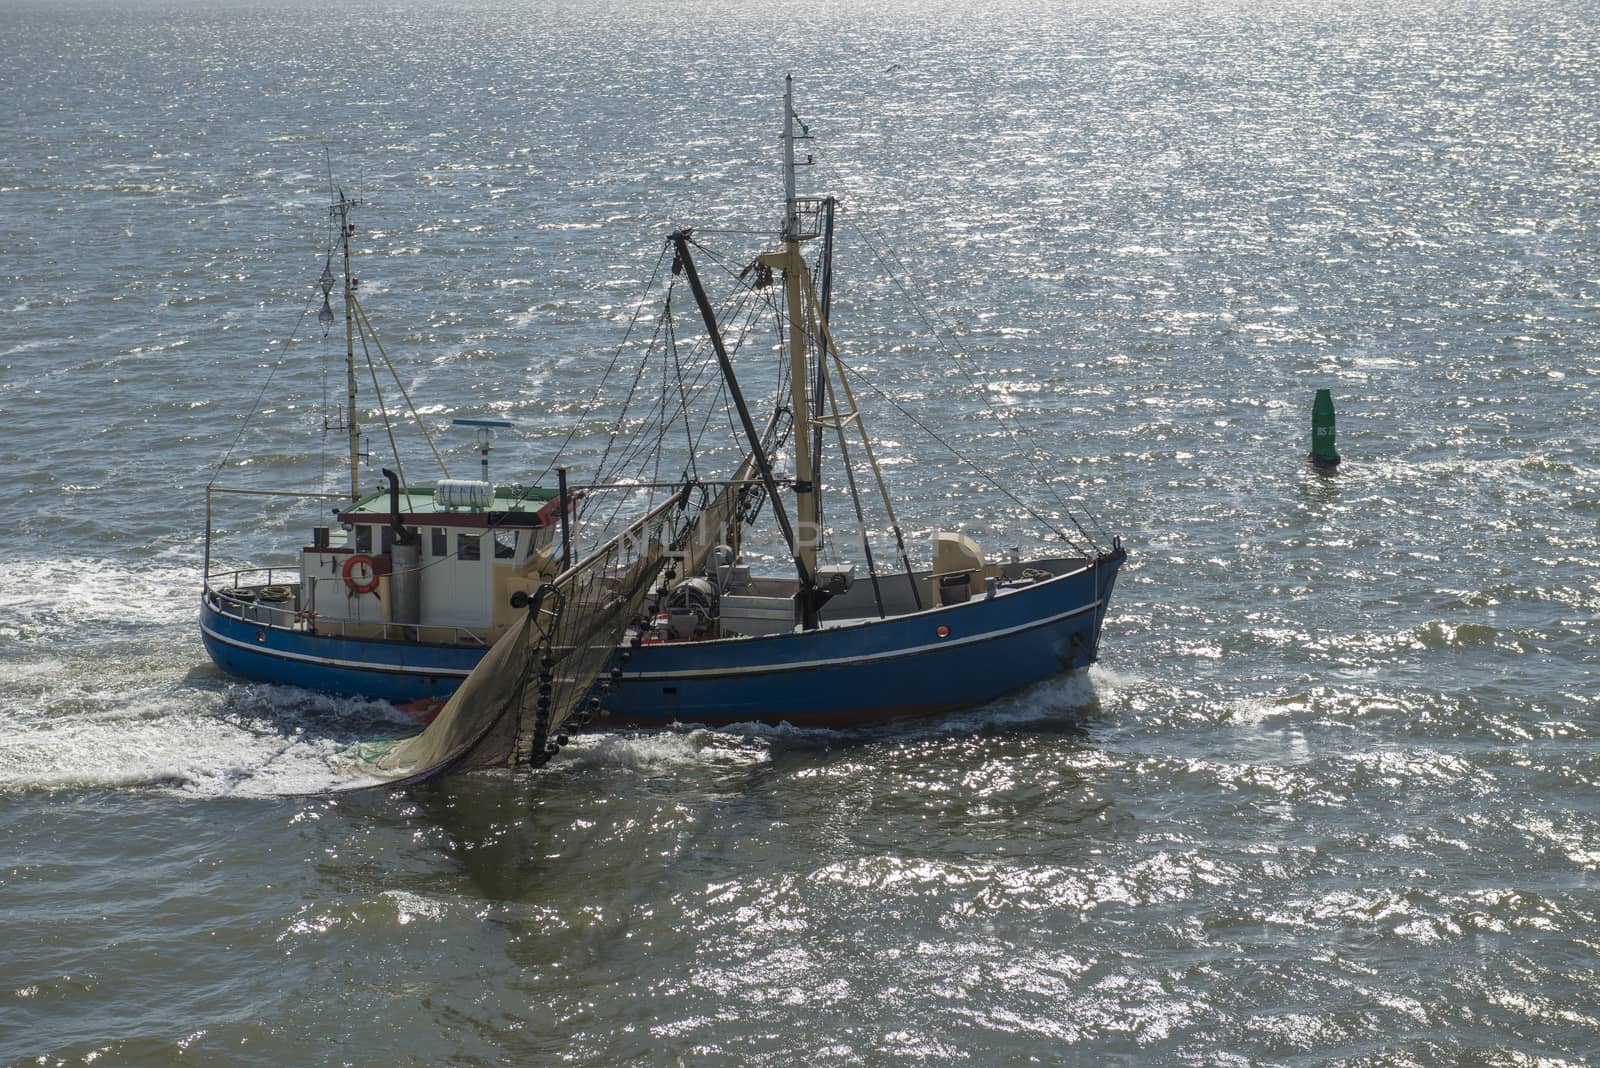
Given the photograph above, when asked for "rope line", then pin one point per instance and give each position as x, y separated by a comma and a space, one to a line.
959, 358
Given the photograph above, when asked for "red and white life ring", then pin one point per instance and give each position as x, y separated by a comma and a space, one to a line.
368, 568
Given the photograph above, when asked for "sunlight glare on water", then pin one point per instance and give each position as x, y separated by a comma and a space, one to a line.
1328, 797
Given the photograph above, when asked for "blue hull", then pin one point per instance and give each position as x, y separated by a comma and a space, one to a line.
834, 677
850, 675
399, 672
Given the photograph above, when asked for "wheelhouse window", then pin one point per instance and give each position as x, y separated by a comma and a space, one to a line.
441, 542
363, 538
505, 544
467, 547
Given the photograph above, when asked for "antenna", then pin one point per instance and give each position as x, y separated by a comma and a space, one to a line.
483, 436
794, 227
791, 212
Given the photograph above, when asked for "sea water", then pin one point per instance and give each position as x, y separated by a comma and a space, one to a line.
1328, 797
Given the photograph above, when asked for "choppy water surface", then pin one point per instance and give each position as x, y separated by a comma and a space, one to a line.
1330, 796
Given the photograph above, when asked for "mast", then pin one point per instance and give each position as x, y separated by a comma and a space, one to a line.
341, 214
793, 266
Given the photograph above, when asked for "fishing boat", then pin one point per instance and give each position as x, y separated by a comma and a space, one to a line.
399, 597
660, 616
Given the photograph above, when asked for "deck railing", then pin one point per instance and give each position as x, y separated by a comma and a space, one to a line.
237, 594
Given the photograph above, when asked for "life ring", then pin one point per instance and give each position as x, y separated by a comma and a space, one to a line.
361, 560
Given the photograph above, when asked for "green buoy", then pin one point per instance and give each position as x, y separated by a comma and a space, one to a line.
1323, 454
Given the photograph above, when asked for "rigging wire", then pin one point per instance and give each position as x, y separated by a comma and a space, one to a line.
255, 406
322, 367
990, 479
967, 461
599, 389
1090, 547
383, 409
631, 452
960, 359
369, 329
739, 317
601, 471
683, 400
727, 264
700, 384
644, 448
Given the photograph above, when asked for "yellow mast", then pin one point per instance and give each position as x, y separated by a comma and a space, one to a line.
807, 532
808, 535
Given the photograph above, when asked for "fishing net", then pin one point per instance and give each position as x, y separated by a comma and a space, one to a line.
716, 522
543, 671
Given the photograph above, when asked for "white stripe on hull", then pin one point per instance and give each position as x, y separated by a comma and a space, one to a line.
328, 661
890, 654
719, 672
